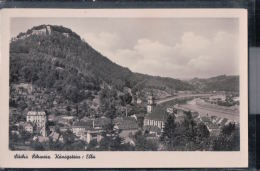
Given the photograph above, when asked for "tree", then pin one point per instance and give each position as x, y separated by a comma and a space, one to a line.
13, 138
228, 140
202, 131
228, 129
22, 105
68, 108
24, 135
111, 111
168, 134
202, 137
38, 146
68, 139
140, 121
143, 144
92, 145
12, 103
78, 145
72, 93
126, 99
111, 140
189, 125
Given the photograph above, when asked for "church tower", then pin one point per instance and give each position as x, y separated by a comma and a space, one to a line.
150, 104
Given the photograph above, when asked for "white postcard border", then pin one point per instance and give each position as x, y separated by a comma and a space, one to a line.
135, 159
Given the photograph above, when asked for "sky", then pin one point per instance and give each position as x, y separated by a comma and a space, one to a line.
169, 47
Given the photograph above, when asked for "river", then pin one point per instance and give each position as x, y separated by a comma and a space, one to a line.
204, 109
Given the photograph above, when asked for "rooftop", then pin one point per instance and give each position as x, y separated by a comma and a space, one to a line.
36, 113
212, 126
100, 122
83, 124
223, 121
126, 123
158, 113
205, 119
88, 123
28, 124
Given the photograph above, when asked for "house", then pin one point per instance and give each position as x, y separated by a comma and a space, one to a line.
100, 123
216, 98
24, 87
84, 119
218, 119
66, 34
138, 101
223, 121
126, 123
78, 128
28, 127
87, 131
38, 118
127, 126
205, 119
96, 123
213, 129
93, 134
51, 118
65, 120
65, 128
55, 103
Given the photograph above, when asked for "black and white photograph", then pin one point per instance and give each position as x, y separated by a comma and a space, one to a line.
112, 84
163, 82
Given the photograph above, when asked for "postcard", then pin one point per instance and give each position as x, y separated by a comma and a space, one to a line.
124, 88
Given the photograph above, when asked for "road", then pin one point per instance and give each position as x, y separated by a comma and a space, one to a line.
160, 101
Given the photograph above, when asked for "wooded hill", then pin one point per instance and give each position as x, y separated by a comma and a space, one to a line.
219, 83
61, 60
56, 57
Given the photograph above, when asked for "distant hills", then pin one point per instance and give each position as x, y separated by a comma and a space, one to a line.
55, 57
219, 83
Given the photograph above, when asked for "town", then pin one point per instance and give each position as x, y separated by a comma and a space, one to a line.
40, 122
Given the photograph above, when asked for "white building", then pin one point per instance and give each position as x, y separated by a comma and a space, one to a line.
24, 87
138, 101
39, 120
156, 118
